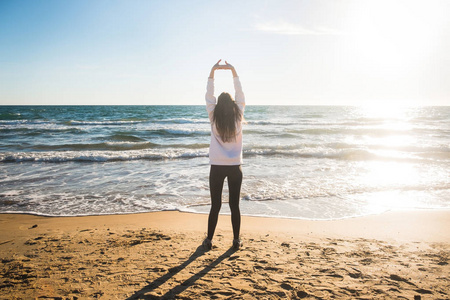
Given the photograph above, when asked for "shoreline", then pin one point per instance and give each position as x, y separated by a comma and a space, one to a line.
157, 256
432, 226
400, 211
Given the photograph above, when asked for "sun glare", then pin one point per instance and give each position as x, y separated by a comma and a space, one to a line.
390, 176
384, 110
390, 133
390, 173
395, 35
392, 123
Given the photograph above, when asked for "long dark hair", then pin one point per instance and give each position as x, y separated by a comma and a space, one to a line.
226, 116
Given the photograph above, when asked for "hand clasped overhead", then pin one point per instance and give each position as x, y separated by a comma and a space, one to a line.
226, 66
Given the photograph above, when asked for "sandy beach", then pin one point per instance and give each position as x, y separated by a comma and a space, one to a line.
396, 255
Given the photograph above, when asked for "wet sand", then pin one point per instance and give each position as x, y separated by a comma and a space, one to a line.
158, 255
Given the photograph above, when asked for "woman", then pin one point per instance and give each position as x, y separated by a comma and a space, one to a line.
225, 152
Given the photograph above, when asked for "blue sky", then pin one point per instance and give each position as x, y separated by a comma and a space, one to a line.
286, 52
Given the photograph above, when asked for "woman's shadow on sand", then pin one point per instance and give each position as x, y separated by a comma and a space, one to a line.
173, 271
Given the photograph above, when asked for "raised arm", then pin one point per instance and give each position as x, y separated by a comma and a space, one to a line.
214, 68
239, 94
209, 97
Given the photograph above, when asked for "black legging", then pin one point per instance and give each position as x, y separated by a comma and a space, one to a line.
217, 176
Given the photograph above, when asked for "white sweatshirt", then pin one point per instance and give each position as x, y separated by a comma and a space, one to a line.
221, 153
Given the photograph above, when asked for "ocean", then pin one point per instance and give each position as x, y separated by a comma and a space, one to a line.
304, 162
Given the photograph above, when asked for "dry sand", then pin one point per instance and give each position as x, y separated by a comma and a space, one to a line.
402, 255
